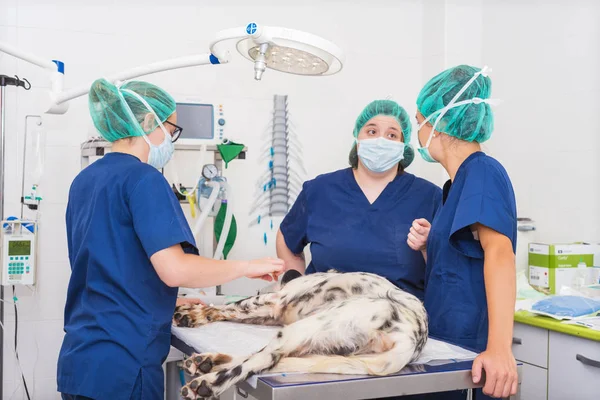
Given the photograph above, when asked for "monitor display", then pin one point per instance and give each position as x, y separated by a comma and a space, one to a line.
19, 247
197, 120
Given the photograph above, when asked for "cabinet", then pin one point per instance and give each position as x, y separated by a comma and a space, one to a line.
573, 368
556, 366
535, 383
530, 345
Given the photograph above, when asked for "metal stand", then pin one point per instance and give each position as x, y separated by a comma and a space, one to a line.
2, 145
4, 81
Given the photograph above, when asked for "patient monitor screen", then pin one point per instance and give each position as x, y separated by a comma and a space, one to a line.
197, 120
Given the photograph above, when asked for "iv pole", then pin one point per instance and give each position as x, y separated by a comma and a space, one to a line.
4, 81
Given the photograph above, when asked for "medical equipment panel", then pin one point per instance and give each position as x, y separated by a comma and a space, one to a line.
202, 123
19, 243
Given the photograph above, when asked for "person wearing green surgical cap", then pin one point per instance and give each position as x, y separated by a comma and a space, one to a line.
398, 150
130, 248
357, 219
471, 279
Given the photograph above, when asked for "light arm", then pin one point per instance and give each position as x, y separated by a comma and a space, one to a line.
30, 58
182, 62
58, 98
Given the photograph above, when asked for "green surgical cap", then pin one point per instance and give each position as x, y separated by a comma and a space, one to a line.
469, 122
392, 109
108, 108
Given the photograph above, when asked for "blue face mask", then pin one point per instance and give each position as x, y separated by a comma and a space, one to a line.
424, 151
380, 155
159, 155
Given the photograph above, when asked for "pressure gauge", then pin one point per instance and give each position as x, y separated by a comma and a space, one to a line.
210, 171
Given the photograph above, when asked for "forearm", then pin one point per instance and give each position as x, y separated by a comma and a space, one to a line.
292, 261
200, 272
424, 253
500, 287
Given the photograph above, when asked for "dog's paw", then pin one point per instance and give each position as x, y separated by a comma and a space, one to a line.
184, 315
212, 384
199, 364
194, 315
199, 388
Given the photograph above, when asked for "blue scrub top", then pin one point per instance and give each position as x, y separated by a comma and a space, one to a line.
455, 296
118, 312
349, 234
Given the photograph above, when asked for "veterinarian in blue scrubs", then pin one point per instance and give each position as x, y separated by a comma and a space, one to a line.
358, 218
129, 248
470, 281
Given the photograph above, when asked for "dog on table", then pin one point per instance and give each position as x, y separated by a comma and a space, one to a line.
341, 323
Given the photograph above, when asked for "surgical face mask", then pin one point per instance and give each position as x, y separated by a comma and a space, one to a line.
159, 155
380, 155
424, 151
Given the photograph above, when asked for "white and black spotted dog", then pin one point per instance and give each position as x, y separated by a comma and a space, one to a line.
342, 323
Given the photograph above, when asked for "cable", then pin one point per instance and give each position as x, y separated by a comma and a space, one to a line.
18, 363
16, 348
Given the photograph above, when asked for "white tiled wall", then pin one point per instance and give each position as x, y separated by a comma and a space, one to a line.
544, 54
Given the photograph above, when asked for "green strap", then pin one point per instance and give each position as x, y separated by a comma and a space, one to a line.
219, 224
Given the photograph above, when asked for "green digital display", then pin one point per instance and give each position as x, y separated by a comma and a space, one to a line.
19, 247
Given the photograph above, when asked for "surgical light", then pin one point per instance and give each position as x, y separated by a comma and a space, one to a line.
281, 49
284, 50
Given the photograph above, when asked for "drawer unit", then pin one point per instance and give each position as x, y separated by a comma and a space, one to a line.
530, 345
535, 383
574, 368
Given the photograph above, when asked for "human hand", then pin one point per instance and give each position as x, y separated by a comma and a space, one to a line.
500, 372
264, 268
417, 236
186, 300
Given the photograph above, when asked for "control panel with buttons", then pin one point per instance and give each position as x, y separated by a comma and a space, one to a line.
221, 122
18, 253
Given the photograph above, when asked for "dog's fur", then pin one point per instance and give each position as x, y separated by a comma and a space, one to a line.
351, 323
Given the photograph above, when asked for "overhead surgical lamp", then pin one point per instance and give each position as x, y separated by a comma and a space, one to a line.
280, 49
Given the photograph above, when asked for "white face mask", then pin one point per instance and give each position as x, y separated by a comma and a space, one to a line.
159, 155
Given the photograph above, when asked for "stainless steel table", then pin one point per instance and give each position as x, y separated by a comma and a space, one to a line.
413, 379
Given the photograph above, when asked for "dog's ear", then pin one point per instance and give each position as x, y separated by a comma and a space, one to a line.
289, 275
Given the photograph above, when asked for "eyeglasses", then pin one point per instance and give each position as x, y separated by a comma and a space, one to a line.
176, 133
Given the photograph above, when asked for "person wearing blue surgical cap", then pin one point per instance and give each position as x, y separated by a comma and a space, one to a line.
130, 247
470, 280
358, 218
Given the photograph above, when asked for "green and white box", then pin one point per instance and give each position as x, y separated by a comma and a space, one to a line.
552, 266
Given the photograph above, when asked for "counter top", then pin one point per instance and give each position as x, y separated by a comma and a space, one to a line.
552, 324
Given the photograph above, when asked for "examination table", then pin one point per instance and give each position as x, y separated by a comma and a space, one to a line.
442, 367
